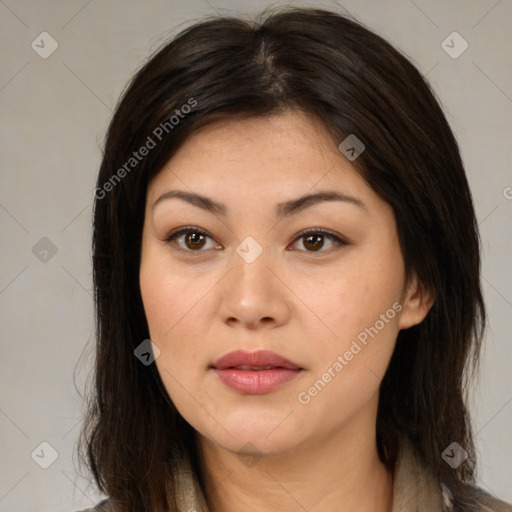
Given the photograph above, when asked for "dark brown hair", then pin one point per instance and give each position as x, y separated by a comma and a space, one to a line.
331, 67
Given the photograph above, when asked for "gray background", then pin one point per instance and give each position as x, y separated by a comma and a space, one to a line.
54, 113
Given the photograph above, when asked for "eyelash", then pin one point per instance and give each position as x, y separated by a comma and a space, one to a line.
310, 231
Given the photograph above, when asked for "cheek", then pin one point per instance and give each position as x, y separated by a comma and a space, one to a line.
163, 307
175, 305
350, 364
358, 307
168, 295
173, 311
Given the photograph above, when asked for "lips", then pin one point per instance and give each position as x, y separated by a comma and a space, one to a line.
260, 360
255, 373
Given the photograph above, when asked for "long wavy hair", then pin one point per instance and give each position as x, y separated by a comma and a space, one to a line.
335, 69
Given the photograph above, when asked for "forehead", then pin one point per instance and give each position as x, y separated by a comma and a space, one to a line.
290, 151
293, 128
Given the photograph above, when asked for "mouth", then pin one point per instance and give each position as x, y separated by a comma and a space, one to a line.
255, 373
257, 361
255, 368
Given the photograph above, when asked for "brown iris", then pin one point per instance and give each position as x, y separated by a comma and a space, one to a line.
314, 242
194, 240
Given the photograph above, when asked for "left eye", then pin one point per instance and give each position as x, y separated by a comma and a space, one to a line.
314, 240
195, 240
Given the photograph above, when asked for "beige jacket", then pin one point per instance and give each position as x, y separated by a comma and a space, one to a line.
414, 490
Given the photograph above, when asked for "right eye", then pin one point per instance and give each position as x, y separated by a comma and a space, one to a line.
190, 239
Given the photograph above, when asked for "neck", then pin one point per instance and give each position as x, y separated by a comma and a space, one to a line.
340, 472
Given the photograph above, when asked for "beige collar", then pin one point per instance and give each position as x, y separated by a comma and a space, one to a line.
413, 488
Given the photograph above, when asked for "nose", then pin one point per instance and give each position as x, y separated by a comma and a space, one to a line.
253, 296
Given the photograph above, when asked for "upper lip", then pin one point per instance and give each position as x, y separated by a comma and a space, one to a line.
256, 359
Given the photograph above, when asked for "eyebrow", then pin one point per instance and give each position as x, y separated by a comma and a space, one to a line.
284, 209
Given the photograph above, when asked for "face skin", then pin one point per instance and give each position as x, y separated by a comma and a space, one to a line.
203, 301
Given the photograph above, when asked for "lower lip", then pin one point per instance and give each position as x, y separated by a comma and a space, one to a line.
256, 382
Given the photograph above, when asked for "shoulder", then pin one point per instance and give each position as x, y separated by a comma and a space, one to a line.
413, 479
102, 506
489, 503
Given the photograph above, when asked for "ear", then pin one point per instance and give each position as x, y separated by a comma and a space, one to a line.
416, 303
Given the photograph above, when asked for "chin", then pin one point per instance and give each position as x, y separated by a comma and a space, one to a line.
253, 433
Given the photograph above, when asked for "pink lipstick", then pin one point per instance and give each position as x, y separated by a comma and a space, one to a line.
255, 373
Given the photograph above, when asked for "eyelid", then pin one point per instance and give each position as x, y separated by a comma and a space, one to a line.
184, 229
336, 238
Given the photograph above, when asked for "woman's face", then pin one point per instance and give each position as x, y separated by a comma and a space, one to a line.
331, 303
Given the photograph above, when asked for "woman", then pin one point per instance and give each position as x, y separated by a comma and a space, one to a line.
286, 266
